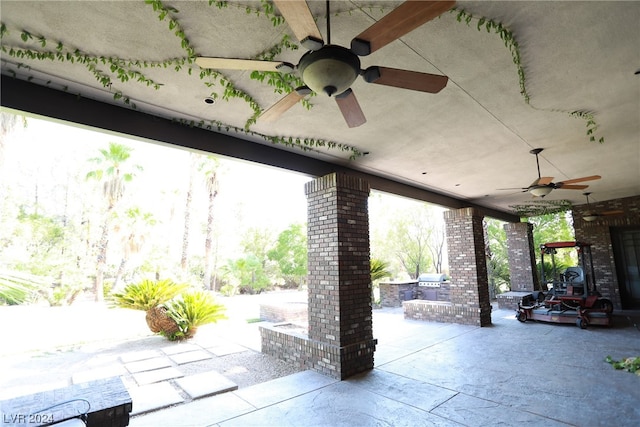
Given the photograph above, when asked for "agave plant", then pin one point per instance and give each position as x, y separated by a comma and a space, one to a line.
149, 295
191, 310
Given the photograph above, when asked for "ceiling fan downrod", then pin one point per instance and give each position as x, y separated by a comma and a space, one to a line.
328, 24
537, 151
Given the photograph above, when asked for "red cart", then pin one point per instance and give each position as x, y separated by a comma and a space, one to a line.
571, 296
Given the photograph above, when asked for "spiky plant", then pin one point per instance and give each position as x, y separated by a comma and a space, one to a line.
191, 310
149, 295
378, 269
18, 288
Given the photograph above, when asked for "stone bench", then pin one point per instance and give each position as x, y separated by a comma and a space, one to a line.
100, 403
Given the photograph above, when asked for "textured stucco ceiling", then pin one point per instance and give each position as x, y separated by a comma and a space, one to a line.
467, 141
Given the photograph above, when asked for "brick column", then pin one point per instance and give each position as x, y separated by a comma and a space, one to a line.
339, 272
467, 266
522, 258
340, 339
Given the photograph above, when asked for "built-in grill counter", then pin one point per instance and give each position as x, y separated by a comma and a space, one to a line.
429, 286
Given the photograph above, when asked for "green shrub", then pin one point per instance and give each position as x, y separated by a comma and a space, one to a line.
191, 310
148, 294
228, 290
630, 364
18, 288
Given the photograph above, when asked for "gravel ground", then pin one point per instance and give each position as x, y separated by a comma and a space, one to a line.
47, 345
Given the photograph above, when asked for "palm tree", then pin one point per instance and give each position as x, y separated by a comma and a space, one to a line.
113, 178
135, 230
193, 157
379, 270
209, 167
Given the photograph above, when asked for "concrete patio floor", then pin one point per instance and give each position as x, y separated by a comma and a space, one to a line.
428, 373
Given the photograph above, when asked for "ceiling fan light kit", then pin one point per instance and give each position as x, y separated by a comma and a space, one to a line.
540, 190
330, 70
591, 215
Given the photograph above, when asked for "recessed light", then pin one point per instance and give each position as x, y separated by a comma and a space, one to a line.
424, 173
209, 100
457, 185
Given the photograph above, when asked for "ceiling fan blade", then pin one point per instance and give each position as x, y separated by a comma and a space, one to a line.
400, 21
612, 213
301, 22
514, 188
276, 110
586, 178
545, 180
413, 80
350, 109
571, 187
243, 64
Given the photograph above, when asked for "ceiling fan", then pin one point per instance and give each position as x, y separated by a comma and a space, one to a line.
591, 215
331, 69
543, 185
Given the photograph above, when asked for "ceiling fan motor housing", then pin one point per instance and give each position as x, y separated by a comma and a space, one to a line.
330, 70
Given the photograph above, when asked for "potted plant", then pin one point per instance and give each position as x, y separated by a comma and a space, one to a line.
191, 310
149, 295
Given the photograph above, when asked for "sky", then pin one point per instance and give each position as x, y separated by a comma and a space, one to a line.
250, 195
265, 196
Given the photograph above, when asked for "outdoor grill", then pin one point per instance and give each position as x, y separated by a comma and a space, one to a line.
431, 280
428, 284
426, 287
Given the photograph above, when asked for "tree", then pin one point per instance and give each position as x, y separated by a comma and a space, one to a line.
113, 176
246, 274
134, 229
7, 124
193, 158
411, 234
209, 167
556, 227
498, 273
290, 254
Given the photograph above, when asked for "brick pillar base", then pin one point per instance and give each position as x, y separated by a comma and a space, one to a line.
522, 258
467, 266
340, 341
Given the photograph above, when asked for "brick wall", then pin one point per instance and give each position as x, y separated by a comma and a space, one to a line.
522, 259
599, 235
442, 312
340, 341
294, 312
469, 286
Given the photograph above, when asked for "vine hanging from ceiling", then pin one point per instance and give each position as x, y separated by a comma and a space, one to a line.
541, 207
511, 43
126, 70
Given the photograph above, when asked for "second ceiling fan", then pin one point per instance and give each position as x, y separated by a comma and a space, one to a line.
332, 69
544, 185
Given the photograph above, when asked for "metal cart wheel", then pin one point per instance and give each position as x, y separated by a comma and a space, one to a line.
581, 323
521, 316
606, 305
